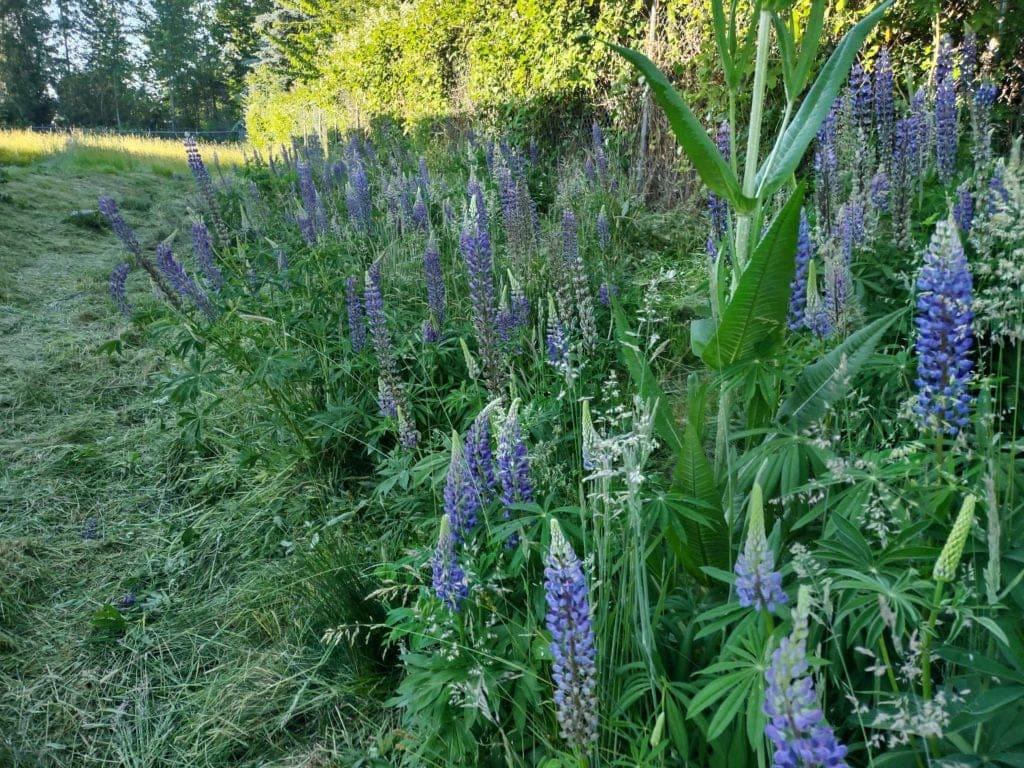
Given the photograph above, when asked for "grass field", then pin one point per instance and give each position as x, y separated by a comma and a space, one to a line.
211, 667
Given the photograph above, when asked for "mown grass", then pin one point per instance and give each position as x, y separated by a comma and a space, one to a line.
218, 661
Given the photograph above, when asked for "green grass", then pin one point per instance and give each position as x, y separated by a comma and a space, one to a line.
219, 662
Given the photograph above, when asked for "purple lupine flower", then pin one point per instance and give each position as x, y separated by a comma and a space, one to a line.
513, 466
387, 402
449, 579
590, 171
420, 216
195, 162
572, 642
981, 123
718, 208
312, 203
431, 333
943, 60
963, 209
556, 338
878, 191
373, 298
604, 232
183, 284
885, 114
479, 457
838, 285
205, 185
944, 335
475, 245
424, 176
758, 584
998, 194
306, 228
462, 496
851, 227
479, 210
968, 60
121, 228
796, 724
520, 308
203, 251
408, 435
946, 129
489, 154
117, 289
600, 157
435, 283
606, 292
357, 198
798, 288
860, 95
826, 168
356, 315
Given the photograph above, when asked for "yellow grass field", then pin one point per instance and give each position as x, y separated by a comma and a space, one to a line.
19, 147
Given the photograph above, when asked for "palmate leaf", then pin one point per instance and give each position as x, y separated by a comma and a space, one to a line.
792, 144
693, 138
753, 322
828, 380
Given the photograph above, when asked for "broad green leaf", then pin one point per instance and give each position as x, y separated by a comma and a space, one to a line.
701, 331
645, 380
809, 43
753, 322
790, 147
708, 545
722, 39
692, 137
824, 382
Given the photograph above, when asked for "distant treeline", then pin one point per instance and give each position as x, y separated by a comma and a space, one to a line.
157, 64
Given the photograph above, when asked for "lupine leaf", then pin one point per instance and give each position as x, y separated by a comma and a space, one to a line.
692, 137
753, 321
791, 145
827, 380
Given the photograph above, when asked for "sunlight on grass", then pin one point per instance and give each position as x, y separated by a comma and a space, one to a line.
109, 151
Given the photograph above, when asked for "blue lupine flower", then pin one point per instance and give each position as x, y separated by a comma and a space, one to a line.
998, 194
312, 203
195, 162
449, 579
583, 303
981, 123
357, 198
420, 216
798, 287
604, 232
183, 284
431, 333
356, 315
944, 60
435, 283
885, 114
718, 208
203, 251
758, 584
944, 335
860, 95
557, 339
117, 289
796, 725
479, 457
963, 209
572, 642
851, 227
826, 168
946, 129
513, 464
520, 308
121, 228
606, 292
590, 171
306, 228
373, 298
475, 245
968, 60
463, 499
878, 191
424, 176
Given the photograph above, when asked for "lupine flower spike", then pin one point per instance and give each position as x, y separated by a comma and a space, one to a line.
462, 494
117, 289
449, 579
572, 642
949, 558
513, 465
798, 288
796, 725
944, 335
758, 584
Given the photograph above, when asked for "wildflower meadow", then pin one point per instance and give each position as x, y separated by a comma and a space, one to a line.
495, 460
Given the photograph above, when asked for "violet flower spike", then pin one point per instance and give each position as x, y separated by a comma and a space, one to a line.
356, 316
462, 497
758, 584
448, 577
944, 335
798, 287
117, 289
203, 251
796, 724
572, 643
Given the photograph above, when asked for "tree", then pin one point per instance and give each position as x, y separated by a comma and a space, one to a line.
236, 33
24, 62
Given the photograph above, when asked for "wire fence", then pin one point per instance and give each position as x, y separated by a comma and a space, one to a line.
234, 134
